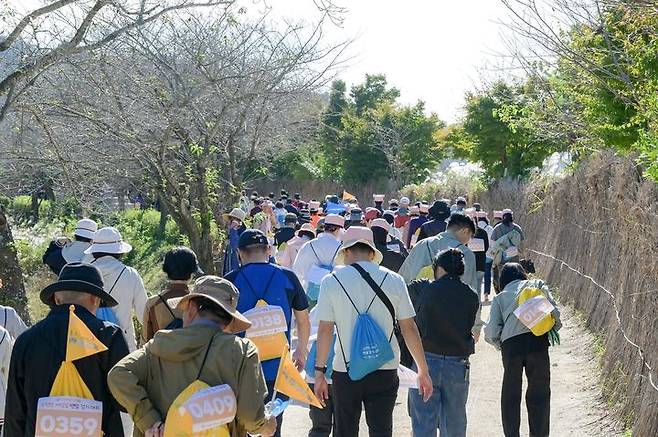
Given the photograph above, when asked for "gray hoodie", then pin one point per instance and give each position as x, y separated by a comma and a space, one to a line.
503, 324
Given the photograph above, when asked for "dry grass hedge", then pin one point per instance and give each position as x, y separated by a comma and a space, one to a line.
602, 221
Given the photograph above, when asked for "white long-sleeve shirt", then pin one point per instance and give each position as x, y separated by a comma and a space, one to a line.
6, 344
12, 322
326, 246
128, 291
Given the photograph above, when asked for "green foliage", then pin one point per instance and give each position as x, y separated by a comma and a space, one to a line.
495, 133
368, 136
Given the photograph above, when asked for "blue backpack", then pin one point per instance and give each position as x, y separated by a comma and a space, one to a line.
310, 362
370, 348
106, 314
313, 289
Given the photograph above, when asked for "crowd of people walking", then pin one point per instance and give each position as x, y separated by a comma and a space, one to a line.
355, 291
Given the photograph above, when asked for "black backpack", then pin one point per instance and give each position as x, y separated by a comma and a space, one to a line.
53, 257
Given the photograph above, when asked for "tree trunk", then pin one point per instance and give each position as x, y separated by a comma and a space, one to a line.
164, 214
13, 291
35, 207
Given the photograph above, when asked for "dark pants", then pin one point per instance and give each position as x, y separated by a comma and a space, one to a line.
322, 419
487, 278
530, 353
376, 392
279, 419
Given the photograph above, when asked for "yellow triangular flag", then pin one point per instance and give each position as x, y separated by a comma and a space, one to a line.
81, 342
68, 382
291, 383
348, 196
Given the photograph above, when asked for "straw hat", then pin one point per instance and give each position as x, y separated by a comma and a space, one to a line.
313, 205
222, 293
86, 228
506, 211
355, 235
378, 197
235, 213
108, 240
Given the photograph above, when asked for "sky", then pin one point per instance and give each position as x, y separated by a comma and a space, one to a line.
432, 50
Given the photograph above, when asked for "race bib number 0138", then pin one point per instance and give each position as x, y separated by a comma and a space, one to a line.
69, 416
266, 320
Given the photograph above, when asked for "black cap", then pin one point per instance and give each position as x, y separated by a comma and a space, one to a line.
180, 263
252, 237
290, 218
80, 277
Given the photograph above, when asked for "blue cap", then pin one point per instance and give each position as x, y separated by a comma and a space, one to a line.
252, 237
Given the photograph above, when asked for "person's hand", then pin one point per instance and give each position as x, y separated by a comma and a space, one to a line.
425, 387
476, 336
321, 387
299, 358
269, 429
157, 430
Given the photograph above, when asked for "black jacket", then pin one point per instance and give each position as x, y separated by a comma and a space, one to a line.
36, 358
481, 257
432, 228
445, 314
392, 260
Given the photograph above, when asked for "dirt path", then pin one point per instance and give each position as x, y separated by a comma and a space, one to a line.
576, 407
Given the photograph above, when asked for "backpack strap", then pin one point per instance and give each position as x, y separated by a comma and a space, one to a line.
340, 342
205, 357
314, 252
267, 287
117, 280
380, 294
167, 305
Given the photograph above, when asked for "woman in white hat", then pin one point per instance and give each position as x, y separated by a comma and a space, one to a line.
234, 228
123, 283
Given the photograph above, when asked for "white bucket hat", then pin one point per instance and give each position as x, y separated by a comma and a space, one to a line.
108, 240
355, 235
86, 228
404, 201
335, 220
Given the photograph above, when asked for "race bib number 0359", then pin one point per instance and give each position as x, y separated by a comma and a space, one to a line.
68, 416
266, 320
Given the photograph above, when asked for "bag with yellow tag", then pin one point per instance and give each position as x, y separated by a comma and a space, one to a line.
534, 309
268, 326
427, 272
201, 410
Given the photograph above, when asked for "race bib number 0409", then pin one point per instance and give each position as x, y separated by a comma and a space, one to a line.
266, 320
69, 416
211, 408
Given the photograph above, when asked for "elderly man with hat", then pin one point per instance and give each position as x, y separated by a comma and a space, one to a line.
402, 215
317, 257
235, 226
261, 281
413, 230
39, 351
123, 283
314, 211
507, 237
345, 295
148, 381
62, 251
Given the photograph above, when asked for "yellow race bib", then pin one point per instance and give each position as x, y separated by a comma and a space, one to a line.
201, 411
268, 330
